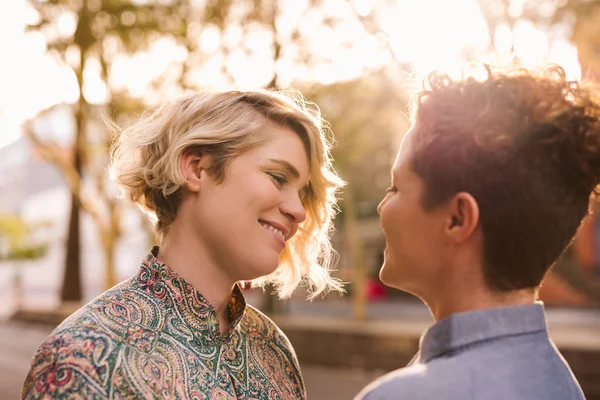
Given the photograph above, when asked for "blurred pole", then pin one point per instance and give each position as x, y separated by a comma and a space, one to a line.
71, 291
270, 302
17, 288
112, 233
356, 252
108, 243
276, 44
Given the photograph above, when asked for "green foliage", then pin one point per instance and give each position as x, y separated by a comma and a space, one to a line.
368, 117
17, 238
548, 14
576, 20
97, 19
26, 253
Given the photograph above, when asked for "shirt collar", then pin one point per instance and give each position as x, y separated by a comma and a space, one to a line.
463, 329
159, 280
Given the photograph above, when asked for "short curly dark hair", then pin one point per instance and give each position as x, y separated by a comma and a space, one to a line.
526, 145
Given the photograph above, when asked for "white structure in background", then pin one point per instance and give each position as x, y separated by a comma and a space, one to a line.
36, 191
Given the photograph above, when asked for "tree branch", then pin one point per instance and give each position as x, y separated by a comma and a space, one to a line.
51, 153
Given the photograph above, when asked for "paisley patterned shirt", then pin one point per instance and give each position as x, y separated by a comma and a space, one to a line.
155, 337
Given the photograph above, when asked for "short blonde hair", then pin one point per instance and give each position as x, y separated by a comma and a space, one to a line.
146, 157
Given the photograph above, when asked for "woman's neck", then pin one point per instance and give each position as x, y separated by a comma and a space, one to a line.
190, 259
454, 300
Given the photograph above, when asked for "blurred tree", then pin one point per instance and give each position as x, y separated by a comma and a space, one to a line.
17, 239
572, 281
19, 242
576, 20
369, 117
102, 30
585, 34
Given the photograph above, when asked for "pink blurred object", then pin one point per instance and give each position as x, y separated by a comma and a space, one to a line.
375, 290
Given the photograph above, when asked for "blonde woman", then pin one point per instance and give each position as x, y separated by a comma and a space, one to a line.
242, 188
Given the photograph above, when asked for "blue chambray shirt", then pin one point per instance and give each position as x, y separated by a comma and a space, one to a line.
493, 354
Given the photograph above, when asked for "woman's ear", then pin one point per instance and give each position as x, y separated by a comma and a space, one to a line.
463, 217
192, 164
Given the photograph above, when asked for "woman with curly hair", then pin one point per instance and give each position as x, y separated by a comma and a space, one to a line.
241, 188
489, 187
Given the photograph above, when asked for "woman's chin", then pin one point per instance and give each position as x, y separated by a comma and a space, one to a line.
263, 270
384, 278
388, 275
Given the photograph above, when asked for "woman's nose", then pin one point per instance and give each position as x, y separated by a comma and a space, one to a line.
294, 209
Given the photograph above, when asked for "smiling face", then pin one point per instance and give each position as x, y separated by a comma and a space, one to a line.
414, 237
245, 221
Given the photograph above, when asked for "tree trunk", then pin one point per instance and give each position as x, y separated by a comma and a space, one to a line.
71, 288
270, 303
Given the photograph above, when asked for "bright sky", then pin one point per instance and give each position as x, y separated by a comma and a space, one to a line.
31, 81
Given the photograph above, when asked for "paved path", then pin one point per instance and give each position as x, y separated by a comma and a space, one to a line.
18, 341
569, 327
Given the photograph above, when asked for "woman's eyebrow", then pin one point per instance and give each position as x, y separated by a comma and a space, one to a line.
289, 167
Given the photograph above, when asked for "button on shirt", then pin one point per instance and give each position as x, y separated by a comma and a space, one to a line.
155, 337
493, 354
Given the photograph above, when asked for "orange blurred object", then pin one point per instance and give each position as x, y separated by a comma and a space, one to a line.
555, 290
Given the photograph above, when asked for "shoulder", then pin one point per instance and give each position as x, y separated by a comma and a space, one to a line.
519, 367
259, 325
75, 358
111, 309
265, 333
274, 351
420, 381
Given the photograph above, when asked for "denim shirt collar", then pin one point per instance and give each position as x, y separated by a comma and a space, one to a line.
466, 328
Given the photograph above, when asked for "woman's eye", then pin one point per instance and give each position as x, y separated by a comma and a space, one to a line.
280, 179
391, 189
